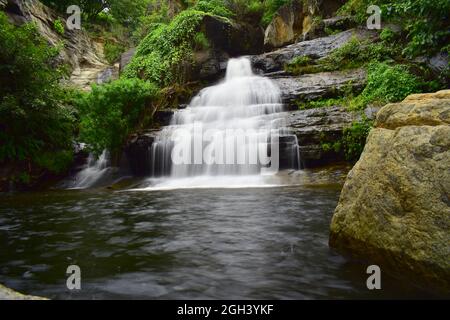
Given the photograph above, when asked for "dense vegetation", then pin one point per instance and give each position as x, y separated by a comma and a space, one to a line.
36, 125
40, 118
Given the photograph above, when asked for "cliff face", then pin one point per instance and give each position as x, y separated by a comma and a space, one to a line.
395, 206
83, 54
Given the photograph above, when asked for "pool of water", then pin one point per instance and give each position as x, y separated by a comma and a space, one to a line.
252, 243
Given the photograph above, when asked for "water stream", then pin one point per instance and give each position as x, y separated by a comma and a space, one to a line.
229, 136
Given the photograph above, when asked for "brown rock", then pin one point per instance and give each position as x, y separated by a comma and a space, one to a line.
394, 209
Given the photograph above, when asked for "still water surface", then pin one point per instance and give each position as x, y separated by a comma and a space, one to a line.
254, 243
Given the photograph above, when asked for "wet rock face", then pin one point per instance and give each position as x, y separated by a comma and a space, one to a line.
394, 209
315, 126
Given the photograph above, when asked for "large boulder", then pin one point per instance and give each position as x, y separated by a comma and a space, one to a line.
295, 19
394, 209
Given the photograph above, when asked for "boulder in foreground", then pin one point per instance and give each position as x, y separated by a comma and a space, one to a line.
394, 209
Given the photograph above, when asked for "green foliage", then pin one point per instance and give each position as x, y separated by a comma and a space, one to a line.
33, 119
160, 56
386, 84
426, 22
357, 53
387, 35
112, 111
215, 7
354, 54
113, 50
58, 25
354, 139
127, 11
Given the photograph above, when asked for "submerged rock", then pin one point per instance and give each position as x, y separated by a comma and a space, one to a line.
395, 208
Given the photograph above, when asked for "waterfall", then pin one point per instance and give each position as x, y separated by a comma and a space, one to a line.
230, 131
93, 173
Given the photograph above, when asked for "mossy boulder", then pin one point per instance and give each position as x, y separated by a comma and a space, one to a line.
394, 209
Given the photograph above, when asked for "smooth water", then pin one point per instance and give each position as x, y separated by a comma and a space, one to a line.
264, 243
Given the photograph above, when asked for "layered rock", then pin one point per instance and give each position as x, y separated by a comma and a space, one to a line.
315, 49
83, 54
395, 206
318, 85
314, 127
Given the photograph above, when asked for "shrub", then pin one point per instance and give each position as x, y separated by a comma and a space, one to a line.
161, 55
425, 21
386, 84
112, 111
215, 7
33, 119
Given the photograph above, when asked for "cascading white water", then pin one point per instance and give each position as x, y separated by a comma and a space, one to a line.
243, 111
95, 170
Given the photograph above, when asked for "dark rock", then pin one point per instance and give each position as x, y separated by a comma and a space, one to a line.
315, 49
318, 85
231, 37
138, 154
163, 117
314, 127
